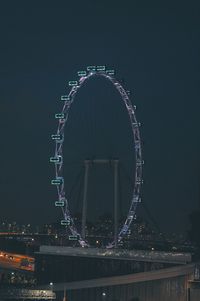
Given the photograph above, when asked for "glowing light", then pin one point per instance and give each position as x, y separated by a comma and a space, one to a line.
60, 116
65, 222
101, 68
57, 181
73, 237
59, 203
110, 72
82, 73
73, 83
57, 137
91, 68
56, 160
65, 98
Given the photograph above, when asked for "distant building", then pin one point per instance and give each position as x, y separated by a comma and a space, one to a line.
12, 294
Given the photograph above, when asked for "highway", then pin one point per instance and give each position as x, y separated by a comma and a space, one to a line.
16, 261
126, 279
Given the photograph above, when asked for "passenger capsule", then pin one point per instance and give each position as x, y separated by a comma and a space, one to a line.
57, 181
124, 229
60, 116
131, 214
59, 203
65, 222
110, 72
57, 137
91, 68
101, 68
65, 98
56, 159
139, 162
139, 181
73, 237
136, 124
82, 73
73, 83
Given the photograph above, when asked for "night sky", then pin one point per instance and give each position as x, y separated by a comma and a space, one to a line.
154, 49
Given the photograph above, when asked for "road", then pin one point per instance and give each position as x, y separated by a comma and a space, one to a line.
126, 279
16, 261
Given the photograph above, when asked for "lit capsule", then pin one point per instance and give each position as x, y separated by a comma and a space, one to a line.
59, 203
136, 124
65, 98
73, 83
101, 68
91, 68
82, 73
110, 72
65, 222
60, 115
139, 162
57, 181
57, 137
56, 159
73, 237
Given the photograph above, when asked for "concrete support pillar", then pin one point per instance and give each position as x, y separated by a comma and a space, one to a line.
115, 163
84, 210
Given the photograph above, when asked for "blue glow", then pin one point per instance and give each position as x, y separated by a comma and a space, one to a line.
57, 181
57, 159
91, 68
101, 68
65, 98
82, 73
60, 116
65, 222
73, 237
110, 72
57, 137
59, 203
73, 83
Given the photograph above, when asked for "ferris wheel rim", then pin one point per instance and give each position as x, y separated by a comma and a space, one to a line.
135, 199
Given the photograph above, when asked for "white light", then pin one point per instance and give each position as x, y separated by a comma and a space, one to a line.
51, 283
104, 294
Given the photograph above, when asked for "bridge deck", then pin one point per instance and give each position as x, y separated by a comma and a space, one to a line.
139, 255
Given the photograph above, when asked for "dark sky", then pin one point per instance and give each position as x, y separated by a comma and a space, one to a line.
154, 49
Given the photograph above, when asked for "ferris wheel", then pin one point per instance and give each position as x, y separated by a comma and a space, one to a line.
58, 160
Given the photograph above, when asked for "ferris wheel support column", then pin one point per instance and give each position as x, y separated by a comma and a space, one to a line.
84, 209
115, 162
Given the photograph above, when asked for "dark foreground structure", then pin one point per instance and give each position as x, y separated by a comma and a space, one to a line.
117, 275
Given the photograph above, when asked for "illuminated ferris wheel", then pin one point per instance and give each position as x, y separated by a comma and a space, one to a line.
58, 160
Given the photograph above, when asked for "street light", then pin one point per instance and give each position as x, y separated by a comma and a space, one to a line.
51, 285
